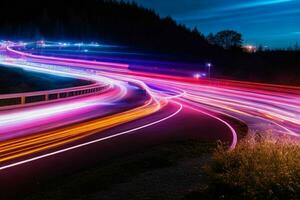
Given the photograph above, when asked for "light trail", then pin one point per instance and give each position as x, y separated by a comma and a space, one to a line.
256, 104
28, 145
93, 141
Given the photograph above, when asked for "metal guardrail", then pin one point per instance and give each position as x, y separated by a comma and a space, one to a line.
10, 101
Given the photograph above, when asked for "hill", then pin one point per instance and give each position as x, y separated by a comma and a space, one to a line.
125, 23
102, 20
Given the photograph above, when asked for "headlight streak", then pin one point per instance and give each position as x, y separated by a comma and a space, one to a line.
68, 59
39, 142
241, 102
280, 112
92, 142
253, 103
28, 145
8, 118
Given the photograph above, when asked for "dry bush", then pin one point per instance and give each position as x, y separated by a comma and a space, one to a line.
260, 167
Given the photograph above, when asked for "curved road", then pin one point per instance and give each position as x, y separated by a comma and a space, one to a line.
139, 109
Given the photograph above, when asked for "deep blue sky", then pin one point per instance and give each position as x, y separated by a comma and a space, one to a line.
274, 23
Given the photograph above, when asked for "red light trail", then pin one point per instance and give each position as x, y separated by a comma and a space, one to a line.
49, 128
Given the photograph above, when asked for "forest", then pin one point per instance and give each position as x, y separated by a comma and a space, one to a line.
124, 23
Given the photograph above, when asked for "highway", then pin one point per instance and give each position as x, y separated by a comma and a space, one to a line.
138, 109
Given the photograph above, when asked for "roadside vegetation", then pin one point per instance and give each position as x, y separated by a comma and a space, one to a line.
261, 167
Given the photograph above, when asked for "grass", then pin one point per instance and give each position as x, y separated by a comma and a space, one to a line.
261, 167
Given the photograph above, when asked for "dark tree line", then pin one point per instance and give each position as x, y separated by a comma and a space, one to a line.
226, 39
103, 20
127, 23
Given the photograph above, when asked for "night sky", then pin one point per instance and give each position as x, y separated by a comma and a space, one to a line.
273, 23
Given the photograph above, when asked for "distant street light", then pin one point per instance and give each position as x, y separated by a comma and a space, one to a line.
249, 48
208, 65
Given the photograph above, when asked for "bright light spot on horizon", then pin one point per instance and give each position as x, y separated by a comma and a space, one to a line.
250, 48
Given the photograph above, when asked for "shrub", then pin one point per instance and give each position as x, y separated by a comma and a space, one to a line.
260, 167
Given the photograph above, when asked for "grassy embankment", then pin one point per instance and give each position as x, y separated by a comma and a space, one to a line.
261, 167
